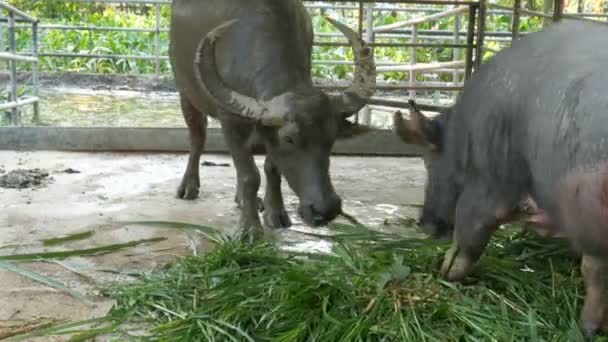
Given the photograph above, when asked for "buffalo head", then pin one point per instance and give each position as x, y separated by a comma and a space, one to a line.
441, 189
299, 126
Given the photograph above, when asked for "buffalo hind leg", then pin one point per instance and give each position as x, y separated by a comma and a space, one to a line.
593, 315
248, 178
275, 215
478, 214
197, 127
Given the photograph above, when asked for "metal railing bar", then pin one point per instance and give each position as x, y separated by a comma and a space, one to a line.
17, 12
416, 2
403, 104
19, 103
426, 45
428, 2
15, 115
400, 87
17, 57
422, 66
421, 20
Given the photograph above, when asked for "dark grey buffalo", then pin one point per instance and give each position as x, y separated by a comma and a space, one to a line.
248, 64
531, 123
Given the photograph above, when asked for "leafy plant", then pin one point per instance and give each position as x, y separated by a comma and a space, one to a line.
143, 43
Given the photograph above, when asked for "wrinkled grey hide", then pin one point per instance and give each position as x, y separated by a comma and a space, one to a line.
533, 121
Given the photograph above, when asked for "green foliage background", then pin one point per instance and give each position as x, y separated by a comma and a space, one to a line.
142, 43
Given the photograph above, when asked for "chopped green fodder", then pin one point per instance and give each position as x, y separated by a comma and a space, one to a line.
375, 287
68, 238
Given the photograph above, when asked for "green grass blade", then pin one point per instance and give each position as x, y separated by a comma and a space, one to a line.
211, 234
68, 238
44, 280
79, 252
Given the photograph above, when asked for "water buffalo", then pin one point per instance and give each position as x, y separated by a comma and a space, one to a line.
248, 64
532, 121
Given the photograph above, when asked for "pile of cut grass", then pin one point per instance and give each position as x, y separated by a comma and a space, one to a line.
375, 287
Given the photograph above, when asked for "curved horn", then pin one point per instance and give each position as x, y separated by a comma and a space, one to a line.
364, 84
227, 99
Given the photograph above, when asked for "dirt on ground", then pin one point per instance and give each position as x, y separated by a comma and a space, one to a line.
22, 179
99, 194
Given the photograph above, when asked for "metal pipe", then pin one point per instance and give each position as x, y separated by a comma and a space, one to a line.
19, 103
157, 42
403, 104
35, 73
15, 119
516, 15
366, 118
481, 28
470, 35
16, 57
408, 45
558, 10
456, 52
421, 20
413, 61
16, 12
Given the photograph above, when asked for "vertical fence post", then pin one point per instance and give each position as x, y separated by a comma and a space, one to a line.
361, 13
481, 32
413, 60
16, 120
2, 45
470, 33
558, 10
366, 118
157, 42
580, 7
456, 56
35, 71
516, 16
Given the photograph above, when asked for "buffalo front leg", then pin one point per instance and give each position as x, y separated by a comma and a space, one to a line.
197, 128
275, 215
593, 315
478, 213
248, 178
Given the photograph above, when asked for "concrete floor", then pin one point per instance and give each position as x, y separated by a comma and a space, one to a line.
114, 187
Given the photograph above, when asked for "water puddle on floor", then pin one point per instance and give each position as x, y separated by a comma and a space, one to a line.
76, 107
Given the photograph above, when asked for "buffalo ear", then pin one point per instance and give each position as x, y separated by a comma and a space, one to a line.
419, 129
348, 129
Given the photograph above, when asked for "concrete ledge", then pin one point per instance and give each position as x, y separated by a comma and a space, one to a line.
119, 139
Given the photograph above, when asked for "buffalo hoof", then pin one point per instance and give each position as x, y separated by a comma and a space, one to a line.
276, 218
188, 190
455, 265
250, 235
239, 203
592, 320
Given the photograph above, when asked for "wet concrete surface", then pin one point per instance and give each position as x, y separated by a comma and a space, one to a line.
95, 192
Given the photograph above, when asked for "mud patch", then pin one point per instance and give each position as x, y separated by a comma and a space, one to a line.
214, 164
23, 179
70, 171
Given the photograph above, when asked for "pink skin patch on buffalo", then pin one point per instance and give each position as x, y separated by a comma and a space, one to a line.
583, 207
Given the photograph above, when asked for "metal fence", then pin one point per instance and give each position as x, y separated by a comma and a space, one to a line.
467, 36
12, 57
460, 67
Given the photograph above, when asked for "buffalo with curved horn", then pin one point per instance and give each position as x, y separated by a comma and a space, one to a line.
248, 64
